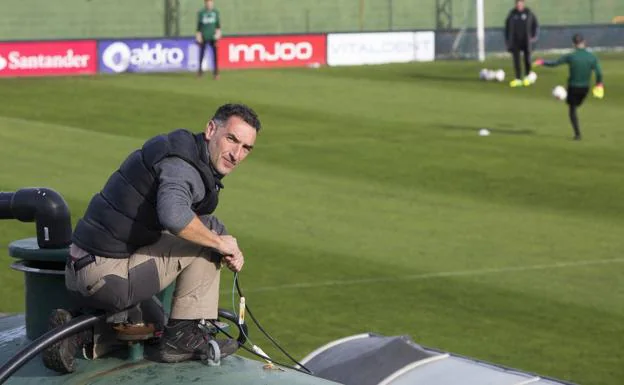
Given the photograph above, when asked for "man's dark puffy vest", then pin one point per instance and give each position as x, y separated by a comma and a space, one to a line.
123, 217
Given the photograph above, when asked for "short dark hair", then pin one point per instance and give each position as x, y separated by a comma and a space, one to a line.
578, 39
242, 111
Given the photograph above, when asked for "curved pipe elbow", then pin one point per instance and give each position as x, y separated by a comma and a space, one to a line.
46, 208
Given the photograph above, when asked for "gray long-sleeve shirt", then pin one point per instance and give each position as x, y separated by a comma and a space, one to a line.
180, 186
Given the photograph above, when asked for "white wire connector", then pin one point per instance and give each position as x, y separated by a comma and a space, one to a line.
261, 352
241, 311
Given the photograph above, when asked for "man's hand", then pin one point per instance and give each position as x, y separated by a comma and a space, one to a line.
598, 91
228, 245
217, 34
198, 38
234, 262
538, 62
232, 256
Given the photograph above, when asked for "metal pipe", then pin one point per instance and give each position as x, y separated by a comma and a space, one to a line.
5, 205
46, 208
390, 15
361, 15
480, 30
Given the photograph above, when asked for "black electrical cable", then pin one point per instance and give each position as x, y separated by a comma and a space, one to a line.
259, 355
74, 326
240, 293
242, 328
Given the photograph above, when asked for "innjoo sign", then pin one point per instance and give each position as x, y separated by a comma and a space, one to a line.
278, 52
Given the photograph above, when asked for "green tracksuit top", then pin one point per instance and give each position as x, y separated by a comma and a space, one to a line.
208, 22
582, 63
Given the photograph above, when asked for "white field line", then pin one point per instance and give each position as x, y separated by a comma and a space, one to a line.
441, 274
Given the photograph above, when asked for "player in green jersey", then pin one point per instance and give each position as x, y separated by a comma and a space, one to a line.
582, 63
208, 33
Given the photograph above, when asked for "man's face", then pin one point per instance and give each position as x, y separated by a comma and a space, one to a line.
209, 4
520, 5
230, 143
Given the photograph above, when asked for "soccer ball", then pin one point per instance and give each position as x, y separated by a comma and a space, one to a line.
559, 93
486, 74
532, 77
500, 75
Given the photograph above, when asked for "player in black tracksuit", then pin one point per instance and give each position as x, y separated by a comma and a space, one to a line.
521, 28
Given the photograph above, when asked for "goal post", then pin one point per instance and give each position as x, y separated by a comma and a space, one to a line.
467, 40
481, 29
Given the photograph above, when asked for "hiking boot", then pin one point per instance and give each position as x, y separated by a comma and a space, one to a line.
184, 340
60, 357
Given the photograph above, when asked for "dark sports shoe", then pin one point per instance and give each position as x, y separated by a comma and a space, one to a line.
60, 357
185, 340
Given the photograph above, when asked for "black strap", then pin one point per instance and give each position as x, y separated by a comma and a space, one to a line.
83, 262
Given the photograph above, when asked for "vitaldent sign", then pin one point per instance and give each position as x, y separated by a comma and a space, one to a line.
380, 48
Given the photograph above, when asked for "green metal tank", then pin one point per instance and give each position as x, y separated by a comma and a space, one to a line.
116, 369
42, 260
44, 281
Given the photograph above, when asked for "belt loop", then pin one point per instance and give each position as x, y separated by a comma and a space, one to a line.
70, 263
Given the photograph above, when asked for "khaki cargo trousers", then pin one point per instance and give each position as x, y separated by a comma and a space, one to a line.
116, 284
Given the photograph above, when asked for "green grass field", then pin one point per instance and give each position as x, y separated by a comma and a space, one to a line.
371, 204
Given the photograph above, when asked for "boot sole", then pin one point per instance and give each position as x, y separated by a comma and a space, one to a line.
172, 357
58, 357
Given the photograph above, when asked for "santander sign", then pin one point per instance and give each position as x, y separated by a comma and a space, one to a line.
16, 60
272, 51
48, 58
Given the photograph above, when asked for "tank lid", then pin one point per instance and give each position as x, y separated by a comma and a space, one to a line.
28, 249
